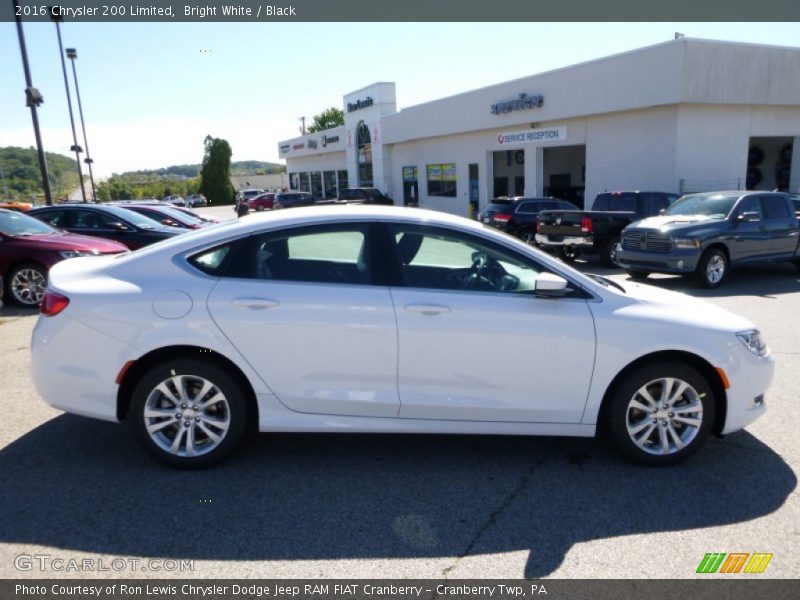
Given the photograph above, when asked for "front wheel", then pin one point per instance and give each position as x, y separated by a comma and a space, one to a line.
712, 268
26, 285
637, 275
661, 414
188, 413
609, 253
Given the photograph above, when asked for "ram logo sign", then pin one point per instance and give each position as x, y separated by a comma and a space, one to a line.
734, 562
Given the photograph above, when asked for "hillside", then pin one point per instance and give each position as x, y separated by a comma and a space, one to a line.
242, 167
23, 177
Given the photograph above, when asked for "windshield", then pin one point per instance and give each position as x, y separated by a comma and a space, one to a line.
133, 217
14, 223
715, 206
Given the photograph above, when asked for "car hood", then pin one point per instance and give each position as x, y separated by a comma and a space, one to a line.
654, 303
672, 223
63, 240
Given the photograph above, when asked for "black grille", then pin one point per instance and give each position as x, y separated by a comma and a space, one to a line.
646, 240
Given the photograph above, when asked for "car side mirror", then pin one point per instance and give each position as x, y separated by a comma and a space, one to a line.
549, 285
119, 226
748, 216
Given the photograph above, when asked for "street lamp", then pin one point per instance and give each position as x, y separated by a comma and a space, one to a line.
72, 54
33, 98
56, 18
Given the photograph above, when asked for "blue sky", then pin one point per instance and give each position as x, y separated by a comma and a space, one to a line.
151, 92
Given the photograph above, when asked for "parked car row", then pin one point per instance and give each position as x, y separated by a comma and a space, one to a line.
701, 235
32, 242
259, 200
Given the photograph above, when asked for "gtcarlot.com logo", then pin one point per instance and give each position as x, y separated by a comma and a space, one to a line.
48, 562
734, 562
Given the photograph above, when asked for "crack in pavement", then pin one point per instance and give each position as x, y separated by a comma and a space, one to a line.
495, 514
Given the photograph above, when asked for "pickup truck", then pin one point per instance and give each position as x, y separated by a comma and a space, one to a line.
704, 235
573, 232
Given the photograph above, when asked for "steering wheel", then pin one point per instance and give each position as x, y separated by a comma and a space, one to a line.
480, 261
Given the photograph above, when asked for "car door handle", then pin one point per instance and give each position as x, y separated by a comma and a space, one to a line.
428, 309
255, 303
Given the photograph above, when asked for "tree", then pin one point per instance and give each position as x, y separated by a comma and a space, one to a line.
327, 119
215, 174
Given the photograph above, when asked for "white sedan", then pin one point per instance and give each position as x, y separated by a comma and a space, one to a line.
381, 319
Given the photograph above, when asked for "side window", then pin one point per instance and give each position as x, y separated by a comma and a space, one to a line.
87, 219
55, 218
750, 204
436, 258
212, 262
775, 207
317, 254
527, 208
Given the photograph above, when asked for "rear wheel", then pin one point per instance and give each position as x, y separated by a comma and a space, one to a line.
568, 253
609, 254
188, 413
260, 207
528, 236
661, 414
26, 284
712, 268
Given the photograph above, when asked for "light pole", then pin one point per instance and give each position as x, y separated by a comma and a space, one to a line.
57, 18
72, 54
33, 98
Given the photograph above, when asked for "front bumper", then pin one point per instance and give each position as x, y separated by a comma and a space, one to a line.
750, 377
581, 242
676, 261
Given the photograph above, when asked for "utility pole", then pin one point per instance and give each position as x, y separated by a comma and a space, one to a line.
72, 54
56, 18
33, 98
303, 126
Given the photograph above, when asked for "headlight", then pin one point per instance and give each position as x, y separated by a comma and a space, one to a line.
752, 341
686, 242
76, 253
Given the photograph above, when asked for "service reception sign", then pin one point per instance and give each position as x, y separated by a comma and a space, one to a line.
533, 136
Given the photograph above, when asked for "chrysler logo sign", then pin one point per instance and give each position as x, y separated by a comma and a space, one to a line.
524, 102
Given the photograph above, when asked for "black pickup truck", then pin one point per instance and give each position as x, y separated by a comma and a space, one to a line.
706, 234
573, 232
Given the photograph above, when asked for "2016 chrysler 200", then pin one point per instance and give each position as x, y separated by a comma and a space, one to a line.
373, 319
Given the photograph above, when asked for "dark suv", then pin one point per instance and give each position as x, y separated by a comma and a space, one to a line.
292, 199
366, 195
517, 215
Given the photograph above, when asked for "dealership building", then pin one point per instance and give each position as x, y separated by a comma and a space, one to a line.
681, 116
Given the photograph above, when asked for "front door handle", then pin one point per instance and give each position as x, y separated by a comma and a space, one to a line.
255, 303
428, 309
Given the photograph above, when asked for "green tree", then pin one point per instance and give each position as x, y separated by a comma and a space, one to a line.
327, 119
215, 174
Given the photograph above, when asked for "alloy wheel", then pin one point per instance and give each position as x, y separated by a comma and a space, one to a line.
187, 415
28, 286
664, 416
715, 269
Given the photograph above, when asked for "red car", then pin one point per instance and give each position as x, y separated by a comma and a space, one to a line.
262, 202
28, 248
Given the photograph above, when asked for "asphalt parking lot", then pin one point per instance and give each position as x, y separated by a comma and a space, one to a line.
405, 506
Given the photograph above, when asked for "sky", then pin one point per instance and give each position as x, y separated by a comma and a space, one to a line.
152, 92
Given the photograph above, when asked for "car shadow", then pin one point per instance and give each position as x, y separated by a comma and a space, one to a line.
78, 484
12, 310
765, 281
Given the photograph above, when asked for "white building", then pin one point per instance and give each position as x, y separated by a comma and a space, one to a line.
685, 115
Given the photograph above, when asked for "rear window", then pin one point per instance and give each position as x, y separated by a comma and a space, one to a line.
622, 201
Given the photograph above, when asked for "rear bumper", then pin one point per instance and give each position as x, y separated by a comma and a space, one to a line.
582, 242
676, 261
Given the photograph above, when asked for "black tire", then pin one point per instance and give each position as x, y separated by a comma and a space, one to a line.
637, 275
647, 449
33, 279
706, 274
527, 235
233, 409
609, 253
259, 208
567, 254
797, 265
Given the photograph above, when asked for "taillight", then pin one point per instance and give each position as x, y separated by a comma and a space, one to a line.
501, 218
53, 303
586, 224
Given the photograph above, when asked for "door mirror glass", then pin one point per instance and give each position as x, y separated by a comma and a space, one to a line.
549, 285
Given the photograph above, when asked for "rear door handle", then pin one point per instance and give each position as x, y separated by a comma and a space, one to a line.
255, 303
428, 309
